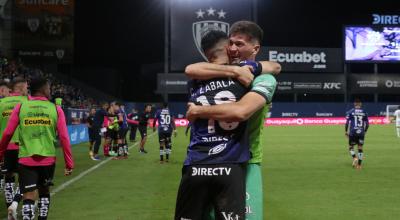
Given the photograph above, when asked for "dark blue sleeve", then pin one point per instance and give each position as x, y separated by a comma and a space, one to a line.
366, 122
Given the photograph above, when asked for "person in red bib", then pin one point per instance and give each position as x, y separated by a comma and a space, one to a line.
38, 121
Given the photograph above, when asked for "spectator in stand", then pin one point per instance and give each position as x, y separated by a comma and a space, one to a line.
4, 90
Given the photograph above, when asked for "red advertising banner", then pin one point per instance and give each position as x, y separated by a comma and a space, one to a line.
317, 121
300, 121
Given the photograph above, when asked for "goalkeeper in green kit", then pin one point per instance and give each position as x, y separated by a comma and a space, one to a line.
245, 40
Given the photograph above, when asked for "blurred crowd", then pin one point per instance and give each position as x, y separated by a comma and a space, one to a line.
72, 97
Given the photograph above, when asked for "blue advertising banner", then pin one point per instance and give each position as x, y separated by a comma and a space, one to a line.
78, 134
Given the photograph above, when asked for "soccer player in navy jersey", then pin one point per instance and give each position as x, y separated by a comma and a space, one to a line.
166, 125
214, 170
356, 127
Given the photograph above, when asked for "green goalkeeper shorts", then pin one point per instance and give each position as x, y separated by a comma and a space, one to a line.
254, 194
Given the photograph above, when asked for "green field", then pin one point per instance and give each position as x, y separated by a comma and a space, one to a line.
307, 175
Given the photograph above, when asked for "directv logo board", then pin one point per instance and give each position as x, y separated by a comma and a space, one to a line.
385, 19
295, 59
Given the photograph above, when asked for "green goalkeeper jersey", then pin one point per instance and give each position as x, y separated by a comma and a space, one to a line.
265, 86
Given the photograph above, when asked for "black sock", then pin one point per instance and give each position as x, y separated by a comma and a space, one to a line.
125, 149
28, 209
167, 153
9, 184
162, 153
43, 206
120, 149
1, 179
17, 196
168, 150
352, 153
360, 156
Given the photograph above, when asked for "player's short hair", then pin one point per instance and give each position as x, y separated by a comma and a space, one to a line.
248, 28
119, 103
146, 105
165, 104
211, 39
357, 100
37, 84
16, 81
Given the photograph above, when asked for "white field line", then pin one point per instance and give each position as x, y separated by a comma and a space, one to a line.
86, 172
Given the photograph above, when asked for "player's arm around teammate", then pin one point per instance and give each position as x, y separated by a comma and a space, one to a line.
206, 71
236, 111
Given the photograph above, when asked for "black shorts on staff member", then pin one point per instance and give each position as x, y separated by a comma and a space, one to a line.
143, 131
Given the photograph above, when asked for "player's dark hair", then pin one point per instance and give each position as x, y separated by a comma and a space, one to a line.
16, 81
211, 38
165, 104
37, 84
357, 100
146, 105
248, 28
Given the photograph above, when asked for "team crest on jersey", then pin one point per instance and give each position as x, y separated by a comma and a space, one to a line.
33, 24
200, 28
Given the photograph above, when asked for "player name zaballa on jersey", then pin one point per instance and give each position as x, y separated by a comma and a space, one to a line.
217, 171
215, 85
37, 121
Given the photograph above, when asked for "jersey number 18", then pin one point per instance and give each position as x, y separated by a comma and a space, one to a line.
219, 98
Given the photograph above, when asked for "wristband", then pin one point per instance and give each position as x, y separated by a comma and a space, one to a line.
257, 67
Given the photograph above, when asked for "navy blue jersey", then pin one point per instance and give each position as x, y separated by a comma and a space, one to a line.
165, 121
215, 142
124, 124
357, 122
